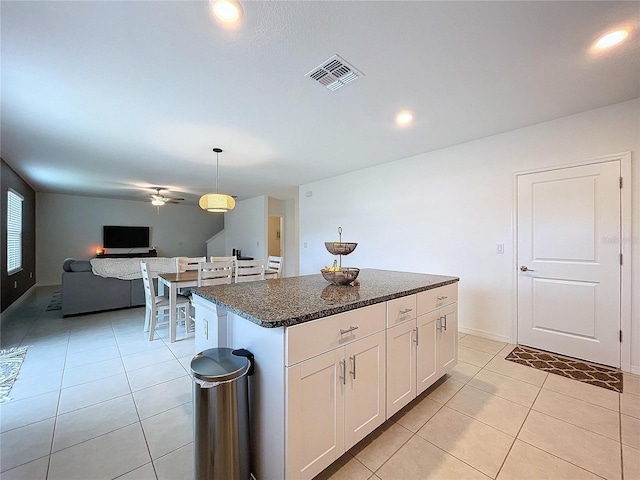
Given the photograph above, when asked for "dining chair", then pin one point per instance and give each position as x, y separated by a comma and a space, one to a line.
249, 270
274, 267
184, 264
233, 260
215, 273
187, 264
155, 305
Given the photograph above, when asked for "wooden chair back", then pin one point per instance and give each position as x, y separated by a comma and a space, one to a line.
215, 273
249, 270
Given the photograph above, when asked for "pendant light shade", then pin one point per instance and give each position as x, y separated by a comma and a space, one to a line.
217, 202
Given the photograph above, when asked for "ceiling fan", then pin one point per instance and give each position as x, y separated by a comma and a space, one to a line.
158, 199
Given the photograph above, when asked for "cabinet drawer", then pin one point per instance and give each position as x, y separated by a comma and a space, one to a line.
401, 309
437, 297
318, 336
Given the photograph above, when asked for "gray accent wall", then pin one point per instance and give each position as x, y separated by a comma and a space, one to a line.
15, 285
70, 226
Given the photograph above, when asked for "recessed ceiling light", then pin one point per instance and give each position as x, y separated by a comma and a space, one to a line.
404, 118
228, 11
611, 39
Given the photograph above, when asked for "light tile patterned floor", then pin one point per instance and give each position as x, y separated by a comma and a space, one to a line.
95, 400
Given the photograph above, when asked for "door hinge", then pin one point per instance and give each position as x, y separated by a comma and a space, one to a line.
620, 336
620, 182
620, 259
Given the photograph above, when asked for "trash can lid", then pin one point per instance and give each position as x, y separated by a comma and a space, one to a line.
218, 365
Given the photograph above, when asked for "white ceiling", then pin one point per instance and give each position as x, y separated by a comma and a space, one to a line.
109, 98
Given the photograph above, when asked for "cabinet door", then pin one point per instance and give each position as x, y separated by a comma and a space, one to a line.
401, 366
365, 387
315, 414
426, 352
448, 339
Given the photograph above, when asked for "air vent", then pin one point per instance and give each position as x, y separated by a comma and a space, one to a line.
334, 73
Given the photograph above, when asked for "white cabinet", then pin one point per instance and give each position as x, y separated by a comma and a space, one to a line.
401, 366
335, 398
439, 306
447, 338
420, 349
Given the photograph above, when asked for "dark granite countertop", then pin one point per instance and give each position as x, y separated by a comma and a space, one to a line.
285, 302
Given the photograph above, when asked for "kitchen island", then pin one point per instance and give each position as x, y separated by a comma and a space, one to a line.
332, 362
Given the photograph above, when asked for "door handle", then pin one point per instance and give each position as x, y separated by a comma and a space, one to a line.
348, 330
406, 310
525, 269
353, 362
417, 340
343, 371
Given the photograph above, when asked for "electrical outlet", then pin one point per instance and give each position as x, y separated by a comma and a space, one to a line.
305, 244
206, 330
500, 248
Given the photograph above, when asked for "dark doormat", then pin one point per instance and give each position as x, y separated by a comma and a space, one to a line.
55, 303
593, 374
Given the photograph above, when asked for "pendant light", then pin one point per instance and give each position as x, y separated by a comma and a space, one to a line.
217, 202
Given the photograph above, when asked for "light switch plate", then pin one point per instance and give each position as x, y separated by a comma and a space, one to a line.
500, 248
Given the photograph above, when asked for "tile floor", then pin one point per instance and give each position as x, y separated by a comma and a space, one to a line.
95, 400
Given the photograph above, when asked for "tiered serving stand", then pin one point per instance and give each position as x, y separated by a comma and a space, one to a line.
345, 275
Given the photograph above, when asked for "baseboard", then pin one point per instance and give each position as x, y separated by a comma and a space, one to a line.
484, 334
21, 299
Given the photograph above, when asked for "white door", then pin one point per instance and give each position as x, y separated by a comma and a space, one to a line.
569, 261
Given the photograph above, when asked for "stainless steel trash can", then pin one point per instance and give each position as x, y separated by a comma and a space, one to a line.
221, 414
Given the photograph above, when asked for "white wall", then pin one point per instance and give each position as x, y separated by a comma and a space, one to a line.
291, 239
246, 227
71, 226
444, 212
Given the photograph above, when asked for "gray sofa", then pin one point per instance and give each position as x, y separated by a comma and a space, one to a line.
84, 292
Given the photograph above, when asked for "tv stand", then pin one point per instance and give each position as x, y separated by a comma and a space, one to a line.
150, 253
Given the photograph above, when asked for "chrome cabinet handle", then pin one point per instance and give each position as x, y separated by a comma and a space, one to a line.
350, 329
343, 371
417, 340
353, 362
443, 298
445, 322
406, 310
523, 268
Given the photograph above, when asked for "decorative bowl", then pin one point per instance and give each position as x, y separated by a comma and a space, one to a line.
343, 277
340, 248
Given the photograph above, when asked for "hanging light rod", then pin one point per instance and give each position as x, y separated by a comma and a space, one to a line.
217, 202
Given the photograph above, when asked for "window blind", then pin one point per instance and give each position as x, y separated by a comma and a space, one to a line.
14, 231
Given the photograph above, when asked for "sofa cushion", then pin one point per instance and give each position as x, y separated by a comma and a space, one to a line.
66, 266
81, 266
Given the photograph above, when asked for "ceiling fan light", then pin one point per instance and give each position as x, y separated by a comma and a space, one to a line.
157, 201
217, 202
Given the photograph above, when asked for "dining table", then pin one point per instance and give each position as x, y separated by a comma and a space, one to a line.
174, 281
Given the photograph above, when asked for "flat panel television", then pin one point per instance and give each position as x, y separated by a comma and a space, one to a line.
125, 237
